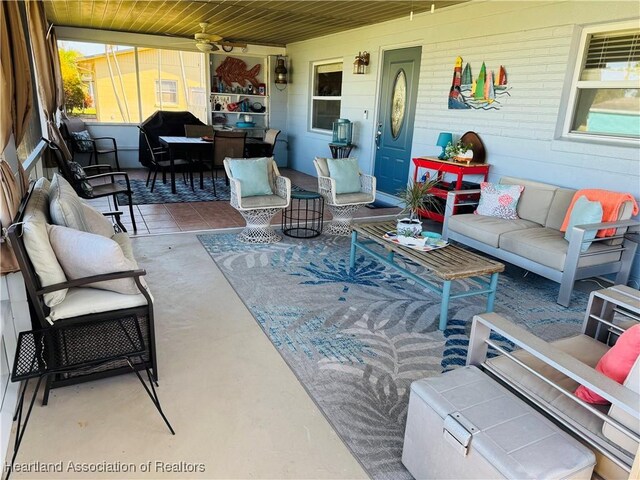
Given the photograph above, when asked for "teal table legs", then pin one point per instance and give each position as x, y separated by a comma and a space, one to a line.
488, 288
493, 287
444, 306
354, 241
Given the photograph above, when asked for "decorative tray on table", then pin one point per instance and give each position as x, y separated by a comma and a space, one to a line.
423, 243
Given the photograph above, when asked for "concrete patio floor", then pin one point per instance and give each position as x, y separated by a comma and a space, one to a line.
237, 409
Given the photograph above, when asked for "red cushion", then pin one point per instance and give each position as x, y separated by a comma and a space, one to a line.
616, 363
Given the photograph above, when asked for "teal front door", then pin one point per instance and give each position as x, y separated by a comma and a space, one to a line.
394, 137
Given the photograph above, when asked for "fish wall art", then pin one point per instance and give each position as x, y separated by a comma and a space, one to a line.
486, 92
235, 70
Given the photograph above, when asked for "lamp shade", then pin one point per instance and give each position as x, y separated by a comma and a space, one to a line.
444, 139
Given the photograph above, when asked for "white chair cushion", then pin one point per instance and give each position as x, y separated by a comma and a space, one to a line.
354, 198
322, 168
263, 201
83, 254
68, 210
36, 242
86, 301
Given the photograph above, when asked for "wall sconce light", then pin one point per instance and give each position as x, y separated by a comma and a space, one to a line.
362, 61
281, 73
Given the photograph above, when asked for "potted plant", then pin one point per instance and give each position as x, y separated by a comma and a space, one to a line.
415, 197
459, 151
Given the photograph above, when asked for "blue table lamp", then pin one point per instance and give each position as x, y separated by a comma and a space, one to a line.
443, 140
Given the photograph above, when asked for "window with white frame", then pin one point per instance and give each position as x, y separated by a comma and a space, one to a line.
118, 83
605, 95
166, 92
326, 97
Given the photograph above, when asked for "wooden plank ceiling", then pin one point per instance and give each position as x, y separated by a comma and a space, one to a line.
261, 22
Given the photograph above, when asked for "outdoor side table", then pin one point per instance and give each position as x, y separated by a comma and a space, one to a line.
341, 150
74, 348
303, 218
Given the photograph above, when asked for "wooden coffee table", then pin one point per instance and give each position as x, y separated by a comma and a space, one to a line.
448, 264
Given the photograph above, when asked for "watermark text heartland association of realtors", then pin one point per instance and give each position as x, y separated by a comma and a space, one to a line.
155, 466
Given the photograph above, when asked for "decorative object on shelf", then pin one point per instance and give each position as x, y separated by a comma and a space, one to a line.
479, 153
481, 93
257, 107
459, 151
262, 89
342, 132
281, 73
220, 102
444, 139
415, 197
233, 70
362, 61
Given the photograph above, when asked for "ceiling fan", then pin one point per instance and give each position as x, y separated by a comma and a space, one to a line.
208, 42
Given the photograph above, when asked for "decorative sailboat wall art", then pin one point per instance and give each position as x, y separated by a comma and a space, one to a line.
485, 92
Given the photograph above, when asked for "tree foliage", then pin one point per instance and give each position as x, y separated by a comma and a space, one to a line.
75, 90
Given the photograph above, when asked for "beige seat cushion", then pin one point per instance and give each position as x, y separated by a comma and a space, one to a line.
86, 301
83, 254
632, 383
67, 209
548, 247
354, 198
263, 201
486, 229
36, 242
124, 241
583, 348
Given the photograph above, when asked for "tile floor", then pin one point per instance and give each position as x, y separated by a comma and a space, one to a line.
193, 216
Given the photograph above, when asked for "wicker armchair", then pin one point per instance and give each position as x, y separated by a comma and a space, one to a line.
259, 210
343, 206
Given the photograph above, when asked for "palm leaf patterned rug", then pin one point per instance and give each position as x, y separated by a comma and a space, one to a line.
357, 339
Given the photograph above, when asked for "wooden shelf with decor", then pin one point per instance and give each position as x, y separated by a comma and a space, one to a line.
440, 167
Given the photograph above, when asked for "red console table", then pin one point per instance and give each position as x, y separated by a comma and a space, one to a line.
446, 166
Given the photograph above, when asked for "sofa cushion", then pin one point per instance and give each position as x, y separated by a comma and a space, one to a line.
124, 241
548, 247
535, 200
615, 364
86, 301
67, 209
486, 229
499, 200
559, 206
632, 382
584, 212
83, 254
37, 244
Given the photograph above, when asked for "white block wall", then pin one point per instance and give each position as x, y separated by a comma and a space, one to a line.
537, 44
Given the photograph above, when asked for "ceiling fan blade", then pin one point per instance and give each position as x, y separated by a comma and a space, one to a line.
232, 44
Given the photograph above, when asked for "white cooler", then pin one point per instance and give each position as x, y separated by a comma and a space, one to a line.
464, 425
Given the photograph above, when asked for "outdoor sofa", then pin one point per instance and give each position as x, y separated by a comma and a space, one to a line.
534, 241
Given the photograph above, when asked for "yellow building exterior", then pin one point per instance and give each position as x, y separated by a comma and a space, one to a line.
169, 80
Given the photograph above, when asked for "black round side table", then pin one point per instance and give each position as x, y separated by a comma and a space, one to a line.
303, 218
